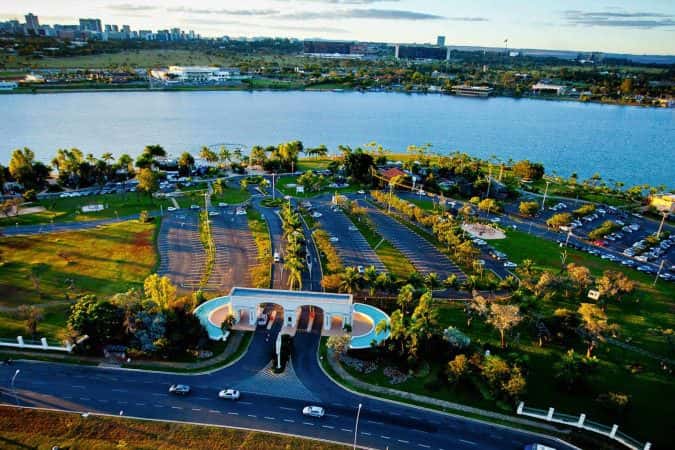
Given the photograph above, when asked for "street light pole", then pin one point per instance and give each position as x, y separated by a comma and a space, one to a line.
356, 427
16, 399
543, 202
663, 219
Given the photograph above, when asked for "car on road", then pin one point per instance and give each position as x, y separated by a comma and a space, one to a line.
179, 389
360, 269
194, 206
214, 213
222, 204
229, 394
171, 208
313, 411
277, 257
538, 447
495, 220
241, 211
316, 214
352, 228
360, 191
262, 319
510, 265
334, 239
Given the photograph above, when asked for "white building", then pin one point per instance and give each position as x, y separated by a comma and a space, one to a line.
545, 88
197, 74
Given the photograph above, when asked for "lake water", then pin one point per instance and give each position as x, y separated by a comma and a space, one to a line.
634, 145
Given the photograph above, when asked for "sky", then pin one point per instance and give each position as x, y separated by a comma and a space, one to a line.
619, 26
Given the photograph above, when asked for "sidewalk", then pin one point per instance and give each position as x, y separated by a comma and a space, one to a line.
343, 374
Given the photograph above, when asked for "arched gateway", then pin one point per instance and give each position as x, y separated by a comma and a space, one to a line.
246, 304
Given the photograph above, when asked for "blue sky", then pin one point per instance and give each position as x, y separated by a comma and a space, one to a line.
635, 26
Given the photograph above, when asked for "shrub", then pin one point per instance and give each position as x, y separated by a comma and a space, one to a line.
528, 209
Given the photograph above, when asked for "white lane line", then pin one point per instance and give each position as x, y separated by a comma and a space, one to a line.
308, 423
384, 437
402, 441
365, 434
346, 429
196, 409
68, 396
85, 398
160, 395
332, 415
176, 407
103, 401
395, 414
269, 418
424, 445
289, 420
232, 413
77, 386
245, 403
287, 408
140, 404
119, 390
202, 398
122, 402
468, 442
252, 415
330, 427
158, 406
376, 423
214, 411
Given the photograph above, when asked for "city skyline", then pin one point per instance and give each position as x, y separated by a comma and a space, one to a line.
620, 26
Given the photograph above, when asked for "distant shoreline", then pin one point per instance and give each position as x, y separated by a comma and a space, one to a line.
38, 91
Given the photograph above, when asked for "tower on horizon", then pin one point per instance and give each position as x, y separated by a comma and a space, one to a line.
440, 41
32, 22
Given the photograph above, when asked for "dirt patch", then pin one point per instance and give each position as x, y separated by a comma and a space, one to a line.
23, 211
483, 231
142, 239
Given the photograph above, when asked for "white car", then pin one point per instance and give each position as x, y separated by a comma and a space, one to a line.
360, 269
229, 394
214, 213
179, 389
313, 411
316, 214
194, 206
352, 228
241, 211
262, 319
222, 204
510, 265
171, 208
334, 239
495, 220
360, 191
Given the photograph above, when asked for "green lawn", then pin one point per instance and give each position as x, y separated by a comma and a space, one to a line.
282, 184
313, 164
70, 209
103, 260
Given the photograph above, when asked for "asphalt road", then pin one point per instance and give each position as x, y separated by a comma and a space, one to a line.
269, 402
279, 277
182, 255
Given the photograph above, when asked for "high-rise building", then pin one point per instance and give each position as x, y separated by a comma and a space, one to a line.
32, 22
91, 25
440, 41
126, 29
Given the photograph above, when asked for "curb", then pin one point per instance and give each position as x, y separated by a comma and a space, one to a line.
182, 422
423, 408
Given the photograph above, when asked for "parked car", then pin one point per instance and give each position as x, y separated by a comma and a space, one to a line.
222, 204
510, 265
229, 394
194, 206
316, 214
171, 208
360, 269
179, 389
538, 447
262, 319
360, 191
313, 411
334, 239
277, 257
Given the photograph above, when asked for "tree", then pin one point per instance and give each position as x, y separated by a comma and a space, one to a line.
594, 321
529, 171
458, 368
613, 285
258, 155
350, 280
125, 162
339, 344
225, 155
154, 150
478, 306
572, 370
208, 155
148, 181
186, 163
22, 168
559, 220
145, 161
580, 277
100, 320
358, 165
503, 318
456, 338
36, 272
160, 291
489, 204
219, 186
425, 317
32, 315
405, 297
370, 278
528, 209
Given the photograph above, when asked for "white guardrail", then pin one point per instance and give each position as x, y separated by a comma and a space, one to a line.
43, 345
580, 422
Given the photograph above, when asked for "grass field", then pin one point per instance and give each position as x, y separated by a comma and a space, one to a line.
70, 209
313, 164
72, 431
282, 185
100, 261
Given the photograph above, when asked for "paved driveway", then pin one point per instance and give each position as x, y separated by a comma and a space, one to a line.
181, 253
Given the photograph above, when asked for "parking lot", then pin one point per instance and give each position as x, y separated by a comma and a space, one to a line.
350, 244
182, 256
424, 256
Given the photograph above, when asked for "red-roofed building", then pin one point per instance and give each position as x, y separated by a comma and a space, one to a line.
390, 173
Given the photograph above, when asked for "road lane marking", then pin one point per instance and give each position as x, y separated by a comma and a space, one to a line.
160, 395
176, 407
67, 396
140, 404
269, 418
424, 445
214, 411
158, 406
308, 423
122, 402
196, 409
346, 429
287, 408
289, 420
103, 401
252, 415
330, 427
245, 403
202, 398
85, 398
376, 423
77, 386
384, 437
332, 415
402, 441
232, 413
468, 442
119, 390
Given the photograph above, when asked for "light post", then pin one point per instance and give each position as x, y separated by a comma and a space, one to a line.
543, 202
356, 427
663, 219
273, 189
16, 399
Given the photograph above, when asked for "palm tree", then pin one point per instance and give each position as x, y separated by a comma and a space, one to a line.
350, 280
294, 266
225, 155
370, 277
431, 281
405, 298
107, 157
